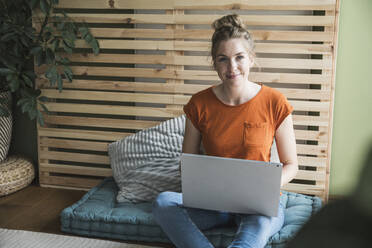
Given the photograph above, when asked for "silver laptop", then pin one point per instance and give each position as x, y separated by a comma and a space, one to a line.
231, 185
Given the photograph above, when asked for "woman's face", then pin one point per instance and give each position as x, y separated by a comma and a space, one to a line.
233, 62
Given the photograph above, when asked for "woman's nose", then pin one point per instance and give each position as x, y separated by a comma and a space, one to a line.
232, 64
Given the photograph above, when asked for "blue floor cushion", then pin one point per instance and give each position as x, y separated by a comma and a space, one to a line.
98, 214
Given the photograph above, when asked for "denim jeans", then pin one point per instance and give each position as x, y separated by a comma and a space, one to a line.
184, 225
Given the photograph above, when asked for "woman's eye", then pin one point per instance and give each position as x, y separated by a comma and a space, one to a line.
221, 59
240, 57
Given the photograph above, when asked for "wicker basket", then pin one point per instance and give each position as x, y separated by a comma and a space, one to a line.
15, 173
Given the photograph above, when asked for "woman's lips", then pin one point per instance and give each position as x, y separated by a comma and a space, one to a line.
232, 76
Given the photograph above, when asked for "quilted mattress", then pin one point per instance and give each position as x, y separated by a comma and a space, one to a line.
98, 214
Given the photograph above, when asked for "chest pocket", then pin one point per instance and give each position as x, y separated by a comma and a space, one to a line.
255, 134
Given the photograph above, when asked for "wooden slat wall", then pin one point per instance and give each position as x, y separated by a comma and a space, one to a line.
155, 55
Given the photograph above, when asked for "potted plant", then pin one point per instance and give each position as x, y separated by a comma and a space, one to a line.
21, 45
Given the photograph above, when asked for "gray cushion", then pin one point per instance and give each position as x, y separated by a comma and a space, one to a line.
98, 214
146, 163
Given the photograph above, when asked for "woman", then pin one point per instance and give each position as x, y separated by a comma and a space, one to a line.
236, 118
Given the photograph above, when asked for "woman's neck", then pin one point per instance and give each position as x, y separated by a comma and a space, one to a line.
231, 95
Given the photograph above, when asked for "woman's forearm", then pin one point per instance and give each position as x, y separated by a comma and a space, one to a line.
288, 173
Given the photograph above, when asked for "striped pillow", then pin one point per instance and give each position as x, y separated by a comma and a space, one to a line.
146, 163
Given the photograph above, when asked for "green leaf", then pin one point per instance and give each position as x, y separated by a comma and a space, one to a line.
65, 61
44, 6
69, 38
47, 35
66, 47
32, 113
14, 85
22, 101
43, 99
37, 93
25, 93
27, 81
60, 82
5, 71
61, 24
40, 58
10, 77
51, 73
95, 46
26, 106
36, 50
44, 108
8, 37
30, 74
55, 45
24, 41
34, 3
88, 38
40, 118
84, 31
55, 2
68, 73
49, 56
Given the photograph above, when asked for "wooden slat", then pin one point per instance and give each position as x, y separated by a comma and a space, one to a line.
304, 189
113, 110
201, 4
319, 150
116, 96
312, 161
74, 144
138, 125
113, 136
98, 122
310, 135
76, 170
311, 175
206, 34
250, 20
175, 88
102, 146
75, 157
155, 112
204, 46
196, 61
172, 98
199, 75
128, 86
81, 134
255, 4
118, 4
310, 120
69, 182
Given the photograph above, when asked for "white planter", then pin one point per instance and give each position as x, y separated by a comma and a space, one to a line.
5, 125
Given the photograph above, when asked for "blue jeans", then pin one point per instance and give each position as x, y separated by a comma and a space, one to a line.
183, 225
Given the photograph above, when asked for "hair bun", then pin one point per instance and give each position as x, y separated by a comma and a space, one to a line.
228, 21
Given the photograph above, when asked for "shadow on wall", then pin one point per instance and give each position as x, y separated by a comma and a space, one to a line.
342, 223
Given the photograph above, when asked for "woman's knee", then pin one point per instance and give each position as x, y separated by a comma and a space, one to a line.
165, 200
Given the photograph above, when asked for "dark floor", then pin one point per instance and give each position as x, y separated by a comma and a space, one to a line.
37, 209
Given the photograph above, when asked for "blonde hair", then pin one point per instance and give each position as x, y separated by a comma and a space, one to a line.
230, 27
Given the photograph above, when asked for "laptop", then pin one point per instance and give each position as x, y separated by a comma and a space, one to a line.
230, 185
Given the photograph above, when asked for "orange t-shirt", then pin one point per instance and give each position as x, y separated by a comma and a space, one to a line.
244, 131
